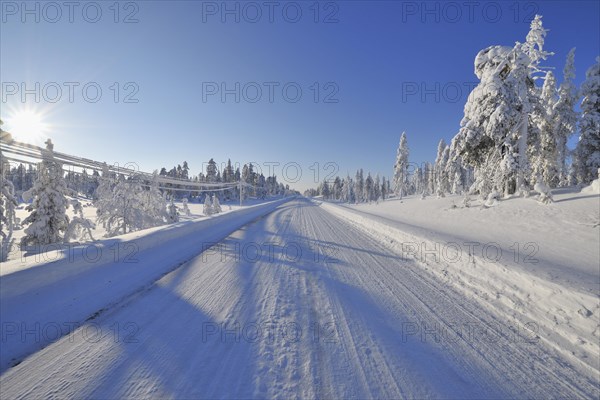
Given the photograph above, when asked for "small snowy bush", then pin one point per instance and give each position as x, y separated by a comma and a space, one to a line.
208, 208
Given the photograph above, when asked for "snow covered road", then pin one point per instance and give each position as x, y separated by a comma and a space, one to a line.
299, 304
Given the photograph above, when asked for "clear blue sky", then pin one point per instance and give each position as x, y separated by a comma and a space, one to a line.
377, 54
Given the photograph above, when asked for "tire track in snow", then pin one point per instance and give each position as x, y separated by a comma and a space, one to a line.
423, 295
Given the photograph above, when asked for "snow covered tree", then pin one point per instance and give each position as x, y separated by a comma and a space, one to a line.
525, 71
260, 186
154, 204
490, 117
80, 228
324, 189
401, 167
377, 188
455, 173
216, 205
519, 80
565, 116
587, 153
248, 176
228, 172
343, 185
123, 205
337, 188
428, 177
105, 184
172, 212
348, 190
8, 203
544, 154
228, 177
437, 166
417, 180
185, 170
123, 211
444, 178
368, 194
359, 184
186, 209
534, 46
7, 218
441, 175
208, 209
494, 133
48, 218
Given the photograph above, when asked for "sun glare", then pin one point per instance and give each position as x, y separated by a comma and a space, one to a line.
26, 125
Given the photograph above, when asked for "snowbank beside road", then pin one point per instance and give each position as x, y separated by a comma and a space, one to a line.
565, 317
99, 232
558, 242
41, 303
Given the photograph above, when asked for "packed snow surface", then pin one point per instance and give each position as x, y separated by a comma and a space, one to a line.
303, 302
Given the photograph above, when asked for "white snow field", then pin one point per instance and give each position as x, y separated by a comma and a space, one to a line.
309, 301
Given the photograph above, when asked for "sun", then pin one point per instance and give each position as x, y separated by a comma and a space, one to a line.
27, 125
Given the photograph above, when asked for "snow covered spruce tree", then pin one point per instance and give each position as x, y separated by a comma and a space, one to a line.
587, 153
377, 195
428, 180
455, 174
486, 139
442, 183
103, 195
565, 116
337, 188
369, 185
359, 184
48, 220
494, 133
401, 167
445, 182
207, 210
324, 189
154, 204
105, 186
418, 182
526, 70
7, 218
8, 202
348, 190
545, 155
437, 163
216, 205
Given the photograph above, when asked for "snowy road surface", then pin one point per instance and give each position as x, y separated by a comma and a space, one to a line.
298, 304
